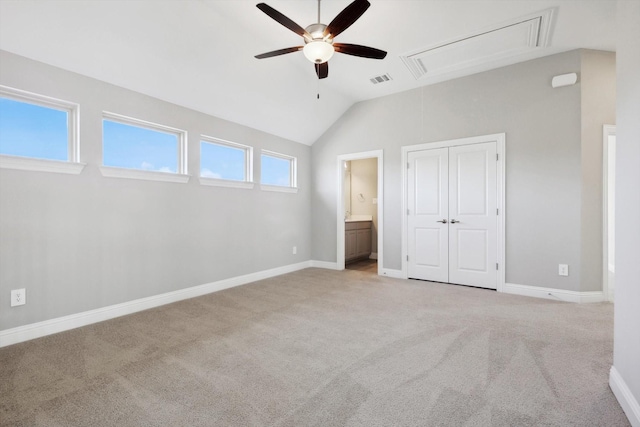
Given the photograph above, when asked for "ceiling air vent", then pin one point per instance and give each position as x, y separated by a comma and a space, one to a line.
508, 39
380, 79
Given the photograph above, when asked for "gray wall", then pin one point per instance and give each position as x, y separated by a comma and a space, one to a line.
80, 242
543, 126
626, 351
598, 106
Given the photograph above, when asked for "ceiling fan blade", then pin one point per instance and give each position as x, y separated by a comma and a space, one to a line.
357, 50
322, 70
348, 16
279, 52
280, 18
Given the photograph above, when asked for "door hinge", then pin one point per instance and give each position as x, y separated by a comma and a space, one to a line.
497, 211
408, 212
497, 266
407, 257
408, 165
497, 157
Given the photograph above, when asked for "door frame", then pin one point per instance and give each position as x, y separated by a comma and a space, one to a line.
377, 154
606, 131
499, 139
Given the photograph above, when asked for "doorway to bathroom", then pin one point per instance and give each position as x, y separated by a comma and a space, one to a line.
360, 212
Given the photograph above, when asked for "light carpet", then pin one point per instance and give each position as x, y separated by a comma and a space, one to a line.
324, 348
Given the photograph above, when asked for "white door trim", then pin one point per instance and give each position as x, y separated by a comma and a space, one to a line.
606, 131
378, 154
500, 140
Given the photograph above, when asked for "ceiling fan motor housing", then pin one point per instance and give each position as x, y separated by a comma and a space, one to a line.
317, 32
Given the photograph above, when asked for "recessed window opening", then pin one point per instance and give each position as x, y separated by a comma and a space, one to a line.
225, 160
277, 169
136, 144
37, 127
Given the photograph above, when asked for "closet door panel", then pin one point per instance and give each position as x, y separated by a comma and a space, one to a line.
427, 216
472, 214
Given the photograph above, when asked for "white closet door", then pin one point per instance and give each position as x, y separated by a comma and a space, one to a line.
452, 218
473, 227
428, 215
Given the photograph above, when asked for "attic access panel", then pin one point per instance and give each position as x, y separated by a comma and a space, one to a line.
502, 41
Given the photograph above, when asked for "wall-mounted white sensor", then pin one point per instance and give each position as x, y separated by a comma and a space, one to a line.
564, 80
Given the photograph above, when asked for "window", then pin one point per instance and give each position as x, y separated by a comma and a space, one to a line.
38, 133
133, 148
225, 164
277, 172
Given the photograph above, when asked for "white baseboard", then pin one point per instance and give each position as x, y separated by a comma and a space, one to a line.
629, 403
374, 255
554, 294
65, 323
389, 272
324, 264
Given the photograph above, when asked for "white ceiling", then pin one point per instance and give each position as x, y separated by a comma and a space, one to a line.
200, 53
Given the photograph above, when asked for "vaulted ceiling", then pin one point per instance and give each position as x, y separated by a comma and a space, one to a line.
200, 53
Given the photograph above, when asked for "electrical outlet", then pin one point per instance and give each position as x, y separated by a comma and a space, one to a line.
18, 297
563, 269
295, 250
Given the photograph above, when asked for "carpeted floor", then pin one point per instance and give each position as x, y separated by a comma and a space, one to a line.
324, 348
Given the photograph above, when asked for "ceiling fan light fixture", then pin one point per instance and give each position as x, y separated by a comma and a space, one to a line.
318, 38
318, 51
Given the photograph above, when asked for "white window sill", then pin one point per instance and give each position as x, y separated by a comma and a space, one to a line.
113, 172
40, 165
214, 182
278, 188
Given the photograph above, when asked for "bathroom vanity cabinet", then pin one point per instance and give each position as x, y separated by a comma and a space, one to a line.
357, 240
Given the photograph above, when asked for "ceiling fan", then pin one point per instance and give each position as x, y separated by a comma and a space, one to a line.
319, 44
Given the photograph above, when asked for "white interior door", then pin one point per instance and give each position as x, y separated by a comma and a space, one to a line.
609, 170
428, 215
452, 218
473, 227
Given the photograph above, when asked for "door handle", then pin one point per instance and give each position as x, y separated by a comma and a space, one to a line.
444, 221
453, 221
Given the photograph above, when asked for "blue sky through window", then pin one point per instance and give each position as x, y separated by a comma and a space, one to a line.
275, 171
222, 162
134, 147
35, 131
30, 130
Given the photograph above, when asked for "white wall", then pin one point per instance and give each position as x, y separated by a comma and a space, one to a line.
81, 242
346, 188
626, 354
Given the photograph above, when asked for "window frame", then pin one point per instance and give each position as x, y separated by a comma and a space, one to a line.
248, 183
180, 176
293, 173
70, 166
